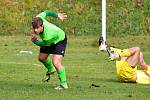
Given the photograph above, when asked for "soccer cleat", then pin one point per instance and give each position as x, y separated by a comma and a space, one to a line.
61, 87
102, 44
104, 47
112, 55
48, 75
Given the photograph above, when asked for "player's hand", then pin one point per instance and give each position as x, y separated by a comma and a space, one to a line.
33, 37
62, 16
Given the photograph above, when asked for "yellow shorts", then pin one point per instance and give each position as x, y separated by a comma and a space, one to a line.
124, 71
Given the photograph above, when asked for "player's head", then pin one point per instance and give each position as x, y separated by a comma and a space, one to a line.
37, 24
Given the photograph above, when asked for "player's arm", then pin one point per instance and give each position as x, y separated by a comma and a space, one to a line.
42, 43
47, 13
51, 13
38, 43
61, 16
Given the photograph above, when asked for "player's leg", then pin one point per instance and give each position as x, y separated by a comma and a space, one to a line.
134, 58
43, 58
128, 65
60, 71
116, 54
58, 54
143, 76
143, 64
121, 52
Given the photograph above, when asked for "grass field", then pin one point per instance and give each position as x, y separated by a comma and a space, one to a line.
21, 75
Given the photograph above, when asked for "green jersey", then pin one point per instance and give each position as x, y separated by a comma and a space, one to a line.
51, 33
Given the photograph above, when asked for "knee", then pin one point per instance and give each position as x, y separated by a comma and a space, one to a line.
136, 49
56, 63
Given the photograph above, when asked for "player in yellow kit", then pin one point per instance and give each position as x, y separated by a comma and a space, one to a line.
127, 61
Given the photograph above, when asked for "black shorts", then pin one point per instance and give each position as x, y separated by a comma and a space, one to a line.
58, 48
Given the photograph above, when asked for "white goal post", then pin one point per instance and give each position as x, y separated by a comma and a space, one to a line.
104, 20
102, 39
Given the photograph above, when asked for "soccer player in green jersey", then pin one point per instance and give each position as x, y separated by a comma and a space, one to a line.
53, 41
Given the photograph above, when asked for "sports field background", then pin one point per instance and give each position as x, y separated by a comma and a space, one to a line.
21, 75
91, 76
124, 17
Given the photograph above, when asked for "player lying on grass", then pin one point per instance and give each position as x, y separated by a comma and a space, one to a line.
53, 41
127, 61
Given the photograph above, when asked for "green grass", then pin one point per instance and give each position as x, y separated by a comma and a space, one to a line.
21, 75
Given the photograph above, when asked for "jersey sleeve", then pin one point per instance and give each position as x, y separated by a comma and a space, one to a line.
42, 43
46, 13
38, 43
51, 13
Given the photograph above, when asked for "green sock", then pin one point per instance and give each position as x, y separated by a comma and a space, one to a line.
48, 64
62, 76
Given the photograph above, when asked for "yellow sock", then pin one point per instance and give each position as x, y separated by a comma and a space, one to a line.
122, 53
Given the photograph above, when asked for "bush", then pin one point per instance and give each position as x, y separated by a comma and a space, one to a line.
84, 16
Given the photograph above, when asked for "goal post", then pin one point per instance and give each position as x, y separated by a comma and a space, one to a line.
104, 20
102, 39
